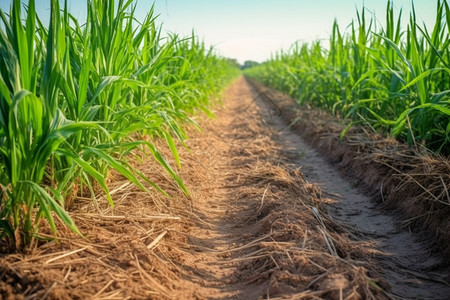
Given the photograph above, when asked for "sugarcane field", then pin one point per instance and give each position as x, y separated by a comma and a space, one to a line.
272, 149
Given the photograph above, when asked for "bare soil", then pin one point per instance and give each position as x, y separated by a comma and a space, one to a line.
267, 217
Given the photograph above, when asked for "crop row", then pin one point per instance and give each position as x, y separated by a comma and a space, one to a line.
75, 97
396, 81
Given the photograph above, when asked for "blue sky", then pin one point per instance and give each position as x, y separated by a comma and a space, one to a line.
253, 29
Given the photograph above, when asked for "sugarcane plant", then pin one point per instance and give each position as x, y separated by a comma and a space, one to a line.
75, 98
396, 81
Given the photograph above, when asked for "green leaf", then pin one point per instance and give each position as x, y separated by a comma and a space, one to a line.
48, 205
89, 170
160, 159
104, 82
116, 165
173, 148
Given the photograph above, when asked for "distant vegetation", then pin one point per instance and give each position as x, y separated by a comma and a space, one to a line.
249, 64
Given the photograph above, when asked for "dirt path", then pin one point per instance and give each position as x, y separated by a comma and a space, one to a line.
405, 259
258, 227
250, 124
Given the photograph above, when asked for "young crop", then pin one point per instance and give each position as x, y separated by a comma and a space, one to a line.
73, 98
397, 80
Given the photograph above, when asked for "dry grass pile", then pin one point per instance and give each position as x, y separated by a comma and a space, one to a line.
127, 251
303, 254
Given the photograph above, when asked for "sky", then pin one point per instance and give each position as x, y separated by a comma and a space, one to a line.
253, 29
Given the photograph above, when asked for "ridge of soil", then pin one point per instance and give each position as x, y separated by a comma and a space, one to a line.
261, 221
411, 181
